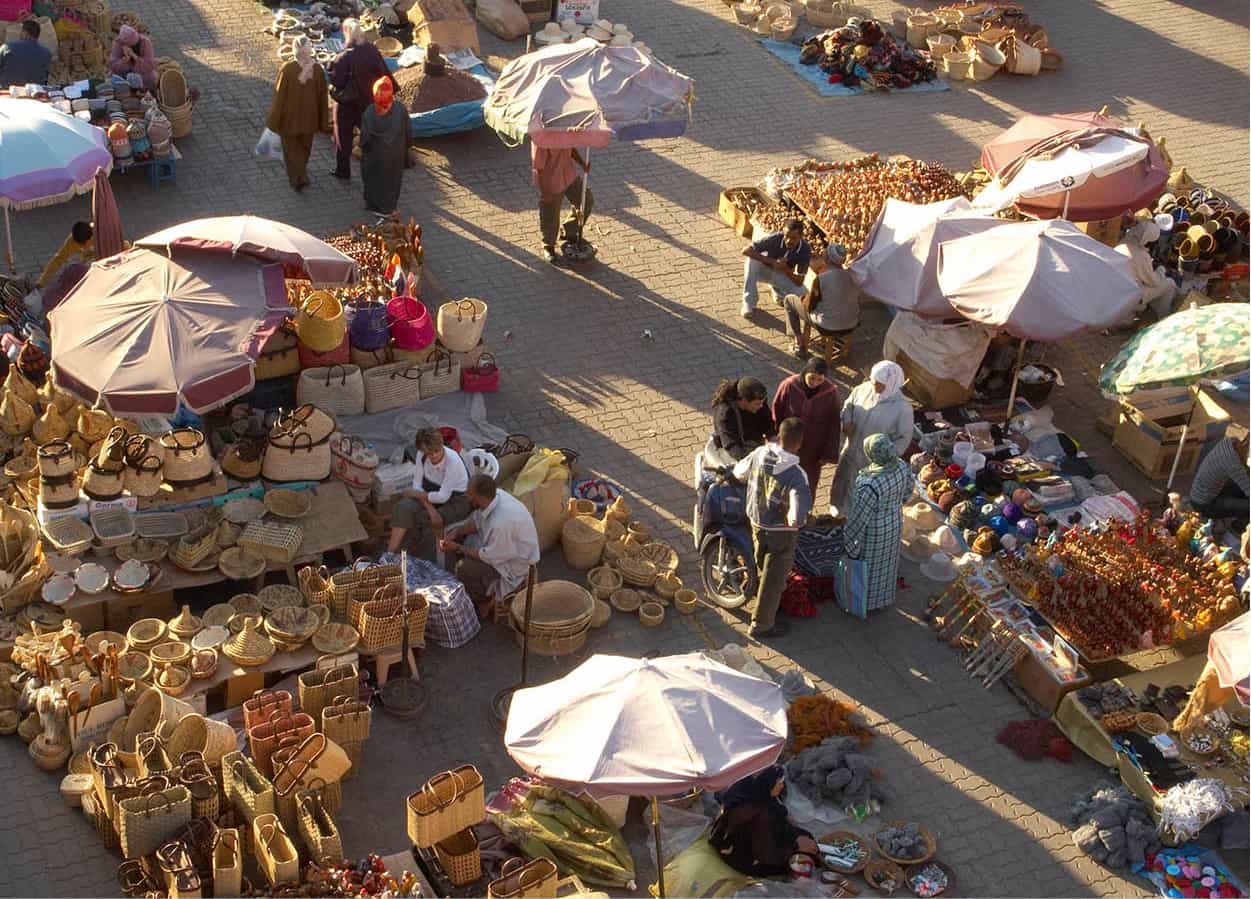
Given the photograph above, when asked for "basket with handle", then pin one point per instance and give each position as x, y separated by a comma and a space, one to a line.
346, 720
460, 857
275, 853
261, 705
411, 328
264, 738
534, 879
481, 377
357, 585
369, 328
381, 620
460, 324
440, 376
329, 681
145, 823
367, 359
446, 804
582, 542
227, 863
355, 461
393, 386
314, 584
274, 542
318, 831
245, 787
336, 389
320, 324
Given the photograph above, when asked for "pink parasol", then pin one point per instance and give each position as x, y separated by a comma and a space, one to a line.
142, 333
264, 239
105, 218
1081, 166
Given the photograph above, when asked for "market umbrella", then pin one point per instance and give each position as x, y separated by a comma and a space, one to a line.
899, 263
105, 219
264, 239
647, 727
585, 94
1226, 673
46, 157
142, 332
1190, 345
1081, 166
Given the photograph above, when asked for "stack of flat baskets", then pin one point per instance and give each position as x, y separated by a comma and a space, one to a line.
176, 101
560, 617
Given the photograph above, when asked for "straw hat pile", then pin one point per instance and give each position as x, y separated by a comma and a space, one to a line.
604, 31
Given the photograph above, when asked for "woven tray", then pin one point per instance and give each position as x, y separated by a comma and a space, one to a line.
288, 503
276, 542
161, 525
68, 535
113, 527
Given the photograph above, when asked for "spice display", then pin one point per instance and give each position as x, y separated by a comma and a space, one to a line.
1124, 587
836, 771
864, 54
1113, 827
421, 91
845, 204
813, 718
929, 881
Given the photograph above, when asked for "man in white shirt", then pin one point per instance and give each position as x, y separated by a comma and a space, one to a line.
437, 498
504, 544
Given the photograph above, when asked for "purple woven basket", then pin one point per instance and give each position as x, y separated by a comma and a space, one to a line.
369, 326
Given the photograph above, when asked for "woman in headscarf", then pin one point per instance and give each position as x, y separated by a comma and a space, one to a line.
384, 148
877, 406
753, 833
133, 52
352, 77
876, 519
740, 420
298, 110
811, 397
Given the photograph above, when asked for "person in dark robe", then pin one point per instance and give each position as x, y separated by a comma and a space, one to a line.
384, 149
812, 397
298, 110
753, 834
352, 77
740, 420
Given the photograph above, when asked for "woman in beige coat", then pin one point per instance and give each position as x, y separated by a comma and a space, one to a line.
299, 110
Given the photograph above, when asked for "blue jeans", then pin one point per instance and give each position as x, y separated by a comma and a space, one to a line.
753, 271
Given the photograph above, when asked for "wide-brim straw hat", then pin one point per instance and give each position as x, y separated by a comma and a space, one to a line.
600, 34
249, 646
551, 33
940, 568
918, 550
944, 540
923, 516
621, 40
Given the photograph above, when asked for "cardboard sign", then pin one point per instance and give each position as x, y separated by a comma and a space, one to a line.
92, 725
584, 12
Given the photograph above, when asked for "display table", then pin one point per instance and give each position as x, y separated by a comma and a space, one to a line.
1086, 734
241, 682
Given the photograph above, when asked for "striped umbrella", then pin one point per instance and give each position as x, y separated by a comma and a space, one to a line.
1188, 346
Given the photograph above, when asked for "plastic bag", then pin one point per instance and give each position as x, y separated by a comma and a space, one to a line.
269, 146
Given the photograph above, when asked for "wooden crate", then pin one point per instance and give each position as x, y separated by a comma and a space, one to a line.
733, 214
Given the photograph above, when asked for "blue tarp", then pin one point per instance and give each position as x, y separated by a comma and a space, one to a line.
789, 54
455, 117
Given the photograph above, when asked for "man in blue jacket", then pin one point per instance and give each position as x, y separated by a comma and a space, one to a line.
778, 502
25, 60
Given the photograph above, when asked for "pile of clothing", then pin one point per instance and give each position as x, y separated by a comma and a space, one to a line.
864, 54
837, 771
1113, 827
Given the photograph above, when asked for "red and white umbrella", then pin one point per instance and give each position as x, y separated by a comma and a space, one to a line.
249, 235
143, 333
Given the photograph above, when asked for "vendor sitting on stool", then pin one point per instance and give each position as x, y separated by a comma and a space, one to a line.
782, 257
754, 833
504, 544
436, 500
831, 304
1220, 486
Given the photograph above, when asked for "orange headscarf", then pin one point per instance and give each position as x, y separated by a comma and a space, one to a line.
384, 95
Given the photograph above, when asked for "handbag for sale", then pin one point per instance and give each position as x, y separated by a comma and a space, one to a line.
336, 389
354, 461
328, 682
311, 358
394, 386
145, 465
145, 823
461, 323
275, 853
534, 879
227, 863
447, 804
381, 620
440, 377
482, 377
318, 830
265, 737
279, 357
851, 586
187, 458
320, 323
243, 459
411, 328
367, 359
370, 327
306, 417
247, 789
294, 455
346, 720
354, 586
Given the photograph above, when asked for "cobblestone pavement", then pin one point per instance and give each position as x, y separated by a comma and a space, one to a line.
580, 374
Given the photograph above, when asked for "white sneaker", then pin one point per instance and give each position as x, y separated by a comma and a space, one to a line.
745, 311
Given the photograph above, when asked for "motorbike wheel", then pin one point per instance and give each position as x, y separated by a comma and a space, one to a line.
729, 586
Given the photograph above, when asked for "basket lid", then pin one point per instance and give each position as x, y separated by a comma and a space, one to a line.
184, 624
248, 644
556, 604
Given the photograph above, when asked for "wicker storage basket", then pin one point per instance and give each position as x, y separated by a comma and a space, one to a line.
296, 456
686, 601
651, 614
626, 600
460, 324
336, 389
318, 831
346, 720
314, 585
603, 581
393, 386
926, 836
381, 622
460, 857
637, 572
844, 835
662, 555
274, 542
320, 323
358, 585
447, 804
667, 585
582, 542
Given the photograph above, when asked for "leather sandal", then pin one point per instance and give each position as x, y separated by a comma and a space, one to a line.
132, 877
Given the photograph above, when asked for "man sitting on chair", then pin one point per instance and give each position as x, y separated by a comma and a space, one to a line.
504, 544
437, 498
831, 303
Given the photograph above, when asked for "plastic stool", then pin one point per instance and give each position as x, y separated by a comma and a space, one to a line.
162, 170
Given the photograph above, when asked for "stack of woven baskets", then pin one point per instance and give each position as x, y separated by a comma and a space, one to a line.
560, 617
176, 100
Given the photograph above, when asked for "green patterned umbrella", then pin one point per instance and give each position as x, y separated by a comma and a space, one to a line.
1200, 342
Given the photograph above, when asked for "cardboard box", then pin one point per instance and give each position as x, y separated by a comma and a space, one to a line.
1149, 429
927, 389
584, 12
129, 503
734, 215
1106, 231
45, 515
537, 11
443, 22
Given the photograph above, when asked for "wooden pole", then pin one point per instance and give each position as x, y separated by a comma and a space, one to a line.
1016, 373
660, 861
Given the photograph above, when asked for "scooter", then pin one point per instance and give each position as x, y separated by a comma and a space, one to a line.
723, 535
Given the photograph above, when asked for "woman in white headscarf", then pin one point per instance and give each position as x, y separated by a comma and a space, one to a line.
299, 110
877, 406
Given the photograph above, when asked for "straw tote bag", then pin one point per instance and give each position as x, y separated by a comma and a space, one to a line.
187, 458
56, 459
337, 389
320, 323
354, 461
296, 456
280, 357
370, 325
440, 377
461, 323
393, 386
145, 465
306, 417
104, 484
411, 327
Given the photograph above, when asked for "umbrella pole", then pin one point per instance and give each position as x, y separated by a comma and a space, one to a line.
586, 176
660, 862
525, 638
1181, 444
1067, 195
8, 242
1016, 373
